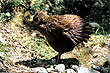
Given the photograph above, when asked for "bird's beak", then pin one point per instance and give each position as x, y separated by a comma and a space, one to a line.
35, 23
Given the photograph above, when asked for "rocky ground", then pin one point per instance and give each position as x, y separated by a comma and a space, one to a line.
25, 50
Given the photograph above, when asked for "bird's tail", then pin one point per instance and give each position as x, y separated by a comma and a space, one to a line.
80, 33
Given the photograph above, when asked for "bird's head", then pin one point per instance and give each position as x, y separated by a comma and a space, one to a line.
40, 18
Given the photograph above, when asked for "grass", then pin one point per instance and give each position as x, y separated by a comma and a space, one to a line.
22, 45
100, 32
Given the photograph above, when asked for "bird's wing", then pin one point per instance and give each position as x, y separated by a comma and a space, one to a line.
70, 25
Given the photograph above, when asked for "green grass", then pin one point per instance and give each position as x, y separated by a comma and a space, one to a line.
98, 33
6, 48
103, 38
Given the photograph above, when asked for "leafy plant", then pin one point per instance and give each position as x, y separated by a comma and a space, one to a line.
103, 38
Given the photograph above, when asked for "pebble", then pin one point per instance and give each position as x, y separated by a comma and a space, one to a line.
108, 45
39, 70
33, 34
94, 25
60, 67
2, 39
86, 70
95, 60
74, 67
96, 67
105, 68
42, 72
95, 55
53, 61
101, 69
70, 71
3, 70
107, 57
50, 69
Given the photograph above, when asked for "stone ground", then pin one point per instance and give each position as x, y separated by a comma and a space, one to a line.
25, 50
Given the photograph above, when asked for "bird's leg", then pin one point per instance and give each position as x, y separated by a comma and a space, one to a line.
78, 47
58, 58
83, 44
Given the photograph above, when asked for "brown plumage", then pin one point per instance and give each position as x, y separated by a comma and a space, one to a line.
63, 32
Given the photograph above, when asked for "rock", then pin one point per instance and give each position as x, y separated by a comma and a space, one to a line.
95, 61
39, 70
96, 67
60, 68
109, 71
96, 4
74, 67
2, 39
53, 61
42, 72
106, 63
33, 34
2, 54
50, 69
86, 70
70, 71
8, 14
107, 57
100, 69
94, 25
103, 69
3, 70
95, 55
108, 45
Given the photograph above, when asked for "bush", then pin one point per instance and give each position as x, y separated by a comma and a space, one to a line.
91, 11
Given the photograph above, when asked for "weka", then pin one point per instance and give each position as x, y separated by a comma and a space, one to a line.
63, 32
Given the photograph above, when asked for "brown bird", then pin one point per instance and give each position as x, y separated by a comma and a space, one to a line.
63, 32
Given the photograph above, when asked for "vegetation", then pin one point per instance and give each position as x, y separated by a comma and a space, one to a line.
23, 43
91, 11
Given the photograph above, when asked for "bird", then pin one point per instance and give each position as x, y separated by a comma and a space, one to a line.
63, 32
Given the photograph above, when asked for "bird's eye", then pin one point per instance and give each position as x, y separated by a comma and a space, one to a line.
35, 18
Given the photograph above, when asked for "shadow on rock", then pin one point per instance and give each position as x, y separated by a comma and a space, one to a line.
35, 62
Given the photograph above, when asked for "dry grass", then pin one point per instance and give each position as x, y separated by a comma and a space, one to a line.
21, 44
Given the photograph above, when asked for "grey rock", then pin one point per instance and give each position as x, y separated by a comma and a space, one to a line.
109, 71
8, 14
53, 61
109, 35
70, 71
2, 40
94, 25
95, 55
42, 72
50, 69
106, 64
86, 70
60, 68
108, 45
3, 70
96, 67
107, 57
103, 69
96, 4
95, 61
39, 70
33, 34
2, 54
74, 67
